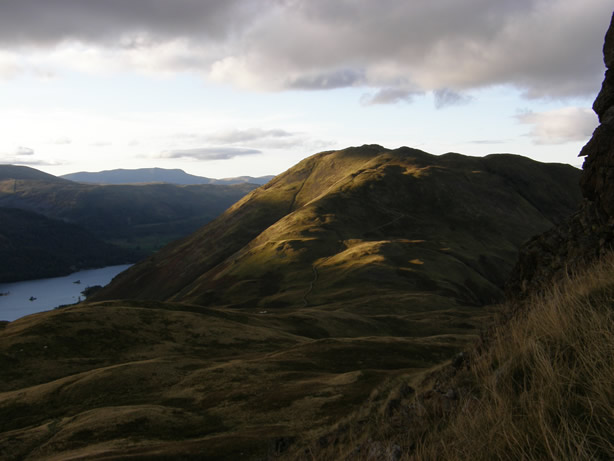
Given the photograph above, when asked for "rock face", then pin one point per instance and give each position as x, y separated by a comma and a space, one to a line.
598, 178
590, 231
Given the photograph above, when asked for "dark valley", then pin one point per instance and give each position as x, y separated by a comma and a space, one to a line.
33, 246
124, 222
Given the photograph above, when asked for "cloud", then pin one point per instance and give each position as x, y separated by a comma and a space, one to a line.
135, 23
327, 80
250, 139
62, 141
209, 153
545, 48
389, 96
489, 141
25, 156
248, 135
34, 162
20, 160
559, 126
10, 66
21, 151
446, 97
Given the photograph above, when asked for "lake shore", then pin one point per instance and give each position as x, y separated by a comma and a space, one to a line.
18, 299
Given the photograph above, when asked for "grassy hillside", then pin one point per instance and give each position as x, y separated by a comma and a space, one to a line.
15, 172
178, 380
537, 387
33, 246
143, 217
358, 226
542, 389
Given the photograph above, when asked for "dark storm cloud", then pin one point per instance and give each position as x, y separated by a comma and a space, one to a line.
545, 48
209, 153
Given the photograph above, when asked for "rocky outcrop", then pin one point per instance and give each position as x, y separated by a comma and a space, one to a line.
589, 233
598, 177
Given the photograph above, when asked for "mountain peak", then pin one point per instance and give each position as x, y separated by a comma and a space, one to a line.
24, 172
338, 210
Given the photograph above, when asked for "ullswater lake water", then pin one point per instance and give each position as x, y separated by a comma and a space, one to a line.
31, 296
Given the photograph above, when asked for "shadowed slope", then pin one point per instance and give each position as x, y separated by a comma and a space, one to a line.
33, 247
143, 217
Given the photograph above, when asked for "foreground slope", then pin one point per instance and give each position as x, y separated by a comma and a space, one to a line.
312, 298
537, 386
170, 381
553, 366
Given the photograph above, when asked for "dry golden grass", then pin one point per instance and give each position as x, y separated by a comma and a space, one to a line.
541, 387
544, 387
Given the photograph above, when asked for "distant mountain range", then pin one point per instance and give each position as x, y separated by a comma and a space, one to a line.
138, 218
157, 175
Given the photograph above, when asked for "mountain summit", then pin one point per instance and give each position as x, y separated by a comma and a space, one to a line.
362, 224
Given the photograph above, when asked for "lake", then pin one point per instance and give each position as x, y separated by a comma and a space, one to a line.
52, 292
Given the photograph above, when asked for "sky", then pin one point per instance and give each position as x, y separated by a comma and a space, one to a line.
224, 88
